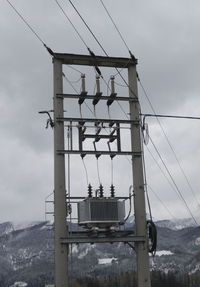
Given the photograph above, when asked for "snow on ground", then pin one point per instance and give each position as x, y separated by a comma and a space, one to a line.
25, 224
19, 284
163, 252
85, 252
106, 260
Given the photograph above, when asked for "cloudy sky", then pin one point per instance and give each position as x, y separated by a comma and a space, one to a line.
163, 35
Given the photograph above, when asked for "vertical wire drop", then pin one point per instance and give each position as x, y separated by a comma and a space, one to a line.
80, 110
98, 173
112, 171
86, 173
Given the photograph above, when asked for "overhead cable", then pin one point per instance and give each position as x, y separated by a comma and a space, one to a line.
171, 177
88, 27
112, 20
163, 204
168, 180
30, 27
171, 116
98, 42
168, 141
75, 29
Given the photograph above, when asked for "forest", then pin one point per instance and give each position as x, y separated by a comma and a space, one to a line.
158, 279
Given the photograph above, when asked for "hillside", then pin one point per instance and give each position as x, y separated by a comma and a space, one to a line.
26, 253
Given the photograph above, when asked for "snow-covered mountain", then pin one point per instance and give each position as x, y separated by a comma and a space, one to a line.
26, 253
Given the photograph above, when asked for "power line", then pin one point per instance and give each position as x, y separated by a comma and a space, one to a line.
100, 45
87, 25
170, 183
67, 17
171, 177
117, 29
30, 27
168, 141
170, 116
163, 204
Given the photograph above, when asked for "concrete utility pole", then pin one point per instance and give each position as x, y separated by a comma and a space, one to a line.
62, 237
61, 250
143, 271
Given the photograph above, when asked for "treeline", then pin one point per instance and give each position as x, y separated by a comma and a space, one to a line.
158, 279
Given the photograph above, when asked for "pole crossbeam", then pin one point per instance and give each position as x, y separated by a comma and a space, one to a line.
101, 61
95, 120
103, 152
92, 97
82, 237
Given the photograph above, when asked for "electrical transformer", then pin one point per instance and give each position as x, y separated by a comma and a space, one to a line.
101, 212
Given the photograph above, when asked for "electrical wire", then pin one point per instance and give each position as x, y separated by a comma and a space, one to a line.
112, 171
145, 187
86, 172
98, 173
172, 179
170, 116
90, 30
127, 86
163, 204
168, 141
170, 183
117, 29
73, 26
75, 69
26, 22
152, 106
121, 85
30, 27
100, 45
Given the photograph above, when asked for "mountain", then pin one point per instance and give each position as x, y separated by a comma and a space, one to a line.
26, 253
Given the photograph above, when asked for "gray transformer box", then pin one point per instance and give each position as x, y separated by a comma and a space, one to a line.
101, 212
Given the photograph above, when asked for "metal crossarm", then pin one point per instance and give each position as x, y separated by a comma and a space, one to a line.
102, 237
99, 152
95, 97
83, 120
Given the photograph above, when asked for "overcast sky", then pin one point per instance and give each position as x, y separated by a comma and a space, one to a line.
163, 36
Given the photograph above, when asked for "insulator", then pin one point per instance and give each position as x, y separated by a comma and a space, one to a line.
101, 190
83, 83
89, 190
113, 94
112, 190
112, 84
98, 84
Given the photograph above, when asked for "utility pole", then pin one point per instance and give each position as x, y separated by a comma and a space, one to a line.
61, 250
62, 237
143, 271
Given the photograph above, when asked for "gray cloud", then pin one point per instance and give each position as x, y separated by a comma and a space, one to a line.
162, 35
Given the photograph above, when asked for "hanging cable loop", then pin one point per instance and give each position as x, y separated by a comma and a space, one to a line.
152, 231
